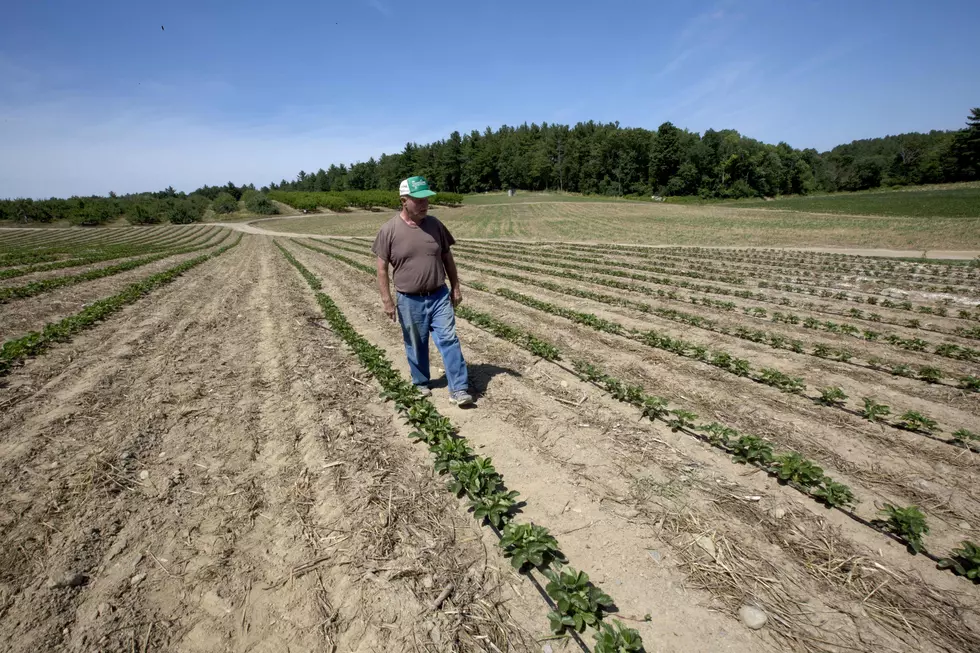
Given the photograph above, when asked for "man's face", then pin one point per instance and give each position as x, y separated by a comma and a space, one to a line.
415, 207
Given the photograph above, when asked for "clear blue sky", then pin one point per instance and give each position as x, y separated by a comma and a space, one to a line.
94, 96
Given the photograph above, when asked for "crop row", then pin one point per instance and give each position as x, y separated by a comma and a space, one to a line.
854, 312
840, 263
971, 332
60, 254
825, 293
46, 285
829, 397
111, 253
720, 260
36, 342
59, 242
579, 603
790, 468
928, 373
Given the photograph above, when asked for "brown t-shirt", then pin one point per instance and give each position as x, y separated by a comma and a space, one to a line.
415, 253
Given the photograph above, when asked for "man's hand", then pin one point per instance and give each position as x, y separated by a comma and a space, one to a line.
389, 308
456, 297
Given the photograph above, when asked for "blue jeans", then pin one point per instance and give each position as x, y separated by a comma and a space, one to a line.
420, 315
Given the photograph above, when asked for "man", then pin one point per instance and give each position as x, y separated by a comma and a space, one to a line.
416, 246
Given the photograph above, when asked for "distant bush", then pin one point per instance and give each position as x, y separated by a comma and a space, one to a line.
361, 199
224, 203
143, 214
260, 203
447, 199
91, 212
182, 211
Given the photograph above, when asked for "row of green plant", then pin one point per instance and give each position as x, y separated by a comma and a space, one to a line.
912, 421
111, 253
722, 262
716, 358
926, 373
36, 342
719, 278
789, 468
56, 247
579, 603
567, 271
35, 288
838, 263
623, 269
361, 199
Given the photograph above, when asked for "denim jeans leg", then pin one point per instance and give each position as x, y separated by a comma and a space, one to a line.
415, 332
444, 333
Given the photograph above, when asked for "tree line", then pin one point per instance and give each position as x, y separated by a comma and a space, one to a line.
158, 207
608, 159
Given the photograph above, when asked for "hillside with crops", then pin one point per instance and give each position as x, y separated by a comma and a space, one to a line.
774, 448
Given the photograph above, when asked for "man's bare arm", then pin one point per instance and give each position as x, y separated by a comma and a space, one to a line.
385, 288
450, 264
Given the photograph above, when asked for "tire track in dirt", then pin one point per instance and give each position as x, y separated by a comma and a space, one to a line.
182, 471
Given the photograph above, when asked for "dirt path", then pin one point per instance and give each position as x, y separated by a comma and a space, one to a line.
167, 486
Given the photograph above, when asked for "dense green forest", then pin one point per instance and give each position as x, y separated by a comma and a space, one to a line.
588, 158
611, 160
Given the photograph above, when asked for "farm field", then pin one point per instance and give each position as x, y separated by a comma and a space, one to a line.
650, 223
196, 454
952, 200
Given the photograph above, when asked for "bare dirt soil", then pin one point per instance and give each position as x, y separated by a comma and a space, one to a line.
211, 470
208, 471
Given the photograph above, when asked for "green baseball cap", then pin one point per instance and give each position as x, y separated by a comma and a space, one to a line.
416, 187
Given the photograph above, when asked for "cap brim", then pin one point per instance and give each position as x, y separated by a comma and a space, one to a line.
419, 194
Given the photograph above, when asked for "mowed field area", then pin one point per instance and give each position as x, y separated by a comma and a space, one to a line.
208, 441
946, 219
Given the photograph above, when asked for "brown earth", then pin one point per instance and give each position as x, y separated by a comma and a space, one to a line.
210, 470
541, 416
212, 473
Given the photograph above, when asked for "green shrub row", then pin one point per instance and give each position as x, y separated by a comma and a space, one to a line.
361, 199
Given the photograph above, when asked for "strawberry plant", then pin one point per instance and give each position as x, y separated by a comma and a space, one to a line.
907, 523
916, 421
474, 478
448, 451
654, 407
834, 494
971, 382
719, 434
965, 561
794, 468
832, 396
873, 411
579, 602
528, 545
682, 419
495, 507
964, 436
617, 639
753, 450
930, 374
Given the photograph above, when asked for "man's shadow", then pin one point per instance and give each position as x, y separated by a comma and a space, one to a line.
480, 375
